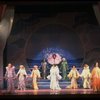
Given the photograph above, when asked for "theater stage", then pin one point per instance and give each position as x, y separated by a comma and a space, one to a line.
50, 92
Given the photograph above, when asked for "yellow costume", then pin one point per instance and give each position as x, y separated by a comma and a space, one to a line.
73, 75
35, 75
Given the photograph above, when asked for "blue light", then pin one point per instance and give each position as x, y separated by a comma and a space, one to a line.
45, 52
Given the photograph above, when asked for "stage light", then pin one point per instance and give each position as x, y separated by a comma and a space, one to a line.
47, 51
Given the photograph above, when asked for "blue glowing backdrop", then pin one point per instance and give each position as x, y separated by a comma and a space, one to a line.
54, 38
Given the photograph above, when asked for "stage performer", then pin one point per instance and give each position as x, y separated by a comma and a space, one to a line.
95, 76
64, 68
44, 69
86, 75
21, 74
54, 78
73, 75
35, 75
10, 75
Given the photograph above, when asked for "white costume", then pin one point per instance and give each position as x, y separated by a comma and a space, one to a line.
54, 78
86, 77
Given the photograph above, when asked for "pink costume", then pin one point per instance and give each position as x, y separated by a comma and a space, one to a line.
10, 75
21, 77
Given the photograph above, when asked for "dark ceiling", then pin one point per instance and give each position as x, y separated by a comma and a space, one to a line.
49, 6
53, 8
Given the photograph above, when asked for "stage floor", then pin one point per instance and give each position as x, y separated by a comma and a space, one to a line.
50, 92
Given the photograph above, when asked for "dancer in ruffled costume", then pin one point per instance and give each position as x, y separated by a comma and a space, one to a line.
54, 78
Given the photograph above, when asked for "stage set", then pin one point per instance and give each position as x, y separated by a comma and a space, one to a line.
51, 92
36, 33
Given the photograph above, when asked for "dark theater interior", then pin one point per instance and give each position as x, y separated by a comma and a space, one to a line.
31, 31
